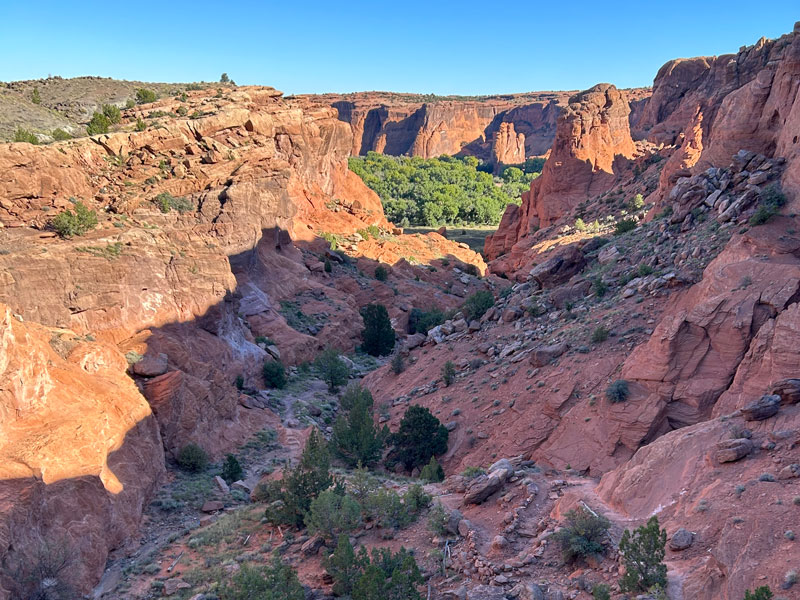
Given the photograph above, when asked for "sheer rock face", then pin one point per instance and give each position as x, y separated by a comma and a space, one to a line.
80, 451
508, 147
405, 124
592, 140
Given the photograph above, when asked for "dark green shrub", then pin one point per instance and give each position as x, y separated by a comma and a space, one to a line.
23, 135
600, 334
145, 96
432, 472
332, 369
377, 335
601, 592
328, 266
166, 202
398, 364
192, 458
98, 124
60, 135
356, 439
448, 373
381, 273
140, 124
420, 321
584, 535
299, 485
477, 304
239, 382
760, 593
224, 78
643, 555
112, 113
182, 111
471, 269
35, 96
419, 437
772, 198
274, 374
231, 469
331, 514
624, 226
68, 224
472, 472
599, 287
275, 581
618, 391
645, 270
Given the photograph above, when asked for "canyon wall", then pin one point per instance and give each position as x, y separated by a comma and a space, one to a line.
122, 345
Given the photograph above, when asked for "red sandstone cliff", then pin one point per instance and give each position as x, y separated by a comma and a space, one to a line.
508, 146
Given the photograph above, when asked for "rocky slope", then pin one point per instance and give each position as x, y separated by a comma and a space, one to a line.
183, 288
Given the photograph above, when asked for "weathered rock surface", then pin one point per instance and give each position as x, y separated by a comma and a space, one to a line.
508, 146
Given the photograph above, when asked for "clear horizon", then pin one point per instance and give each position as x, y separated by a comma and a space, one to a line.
459, 49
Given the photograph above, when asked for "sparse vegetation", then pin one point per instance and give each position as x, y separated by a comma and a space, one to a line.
381, 273
68, 224
167, 202
231, 469
36, 98
643, 553
584, 535
60, 135
25, 136
398, 364
192, 458
772, 199
432, 472
760, 593
599, 334
624, 226
618, 391
420, 321
275, 581
112, 113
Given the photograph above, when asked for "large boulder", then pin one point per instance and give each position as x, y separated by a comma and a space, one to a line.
484, 486
763, 408
732, 450
544, 355
787, 389
681, 539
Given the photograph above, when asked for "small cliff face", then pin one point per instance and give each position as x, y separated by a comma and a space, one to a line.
592, 136
508, 146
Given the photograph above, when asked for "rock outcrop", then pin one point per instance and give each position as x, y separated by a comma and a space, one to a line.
592, 141
508, 146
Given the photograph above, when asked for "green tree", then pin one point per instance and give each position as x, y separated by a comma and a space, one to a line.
60, 135
333, 370
309, 478
477, 304
35, 97
381, 273
398, 363
23, 135
432, 472
420, 321
275, 581
112, 113
343, 566
231, 469
377, 335
145, 96
274, 374
331, 514
419, 437
99, 123
192, 458
584, 535
224, 78
356, 439
760, 593
643, 555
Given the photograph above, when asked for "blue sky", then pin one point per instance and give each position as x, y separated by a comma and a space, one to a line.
427, 47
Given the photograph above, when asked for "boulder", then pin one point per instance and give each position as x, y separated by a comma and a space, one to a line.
242, 486
608, 254
486, 592
220, 482
453, 521
415, 340
526, 591
484, 486
764, 408
464, 527
789, 472
312, 545
681, 539
544, 355
559, 268
733, 450
210, 506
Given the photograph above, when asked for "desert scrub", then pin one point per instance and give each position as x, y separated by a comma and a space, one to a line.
68, 224
166, 202
23, 135
600, 334
618, 391
145, 96
99, 123
192, 458
274, 374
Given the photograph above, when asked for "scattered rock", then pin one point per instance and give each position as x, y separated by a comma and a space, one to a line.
733, 450
544, 355
151, 366
210, 506
787, 389
223, 487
